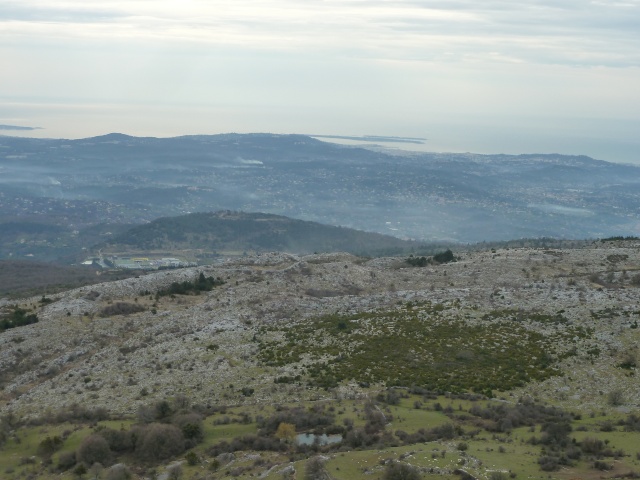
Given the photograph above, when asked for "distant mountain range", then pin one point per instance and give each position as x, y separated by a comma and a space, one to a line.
58, 196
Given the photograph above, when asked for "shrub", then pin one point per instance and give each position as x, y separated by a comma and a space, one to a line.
201, 284
498, 476
443, 257
548, 463
556, 432
175, 472
607, 426
79, 414
158, 442
417, 261
315, 469
444, 432
615, 398
401, 471
66, 460
247, 391
600, 465
118, 472
48, 446
192, 458
191, 426
162, 410
80, 470
286, 431
592, 446
392, 397
120, 308
93, 449
18, 318
118, 440
302, 419
96, 471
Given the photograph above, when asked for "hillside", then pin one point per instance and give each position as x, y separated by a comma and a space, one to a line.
433, 197
239, 231
20, 278
265, 333
52, 239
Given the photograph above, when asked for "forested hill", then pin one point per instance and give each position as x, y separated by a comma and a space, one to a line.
239, 231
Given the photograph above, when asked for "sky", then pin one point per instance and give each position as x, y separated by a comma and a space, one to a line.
495, 76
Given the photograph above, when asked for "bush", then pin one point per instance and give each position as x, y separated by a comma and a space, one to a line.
302, 419
120, 308
48, 446
444, 432
93, 449
80, 470
603, 466
443, 257
162, 410
18, 318
201, 284
66, 460
548, 463
118, 472
315, 469
556, 432
119, 440
175, 472
192, 458
78, 414
401, 471
158, 442
417, 261
615, 398
191, 426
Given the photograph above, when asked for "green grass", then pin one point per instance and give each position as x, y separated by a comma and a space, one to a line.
411, 420
13, 453
218, 433
486, 451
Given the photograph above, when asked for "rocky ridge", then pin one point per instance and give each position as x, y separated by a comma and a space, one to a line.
205, 347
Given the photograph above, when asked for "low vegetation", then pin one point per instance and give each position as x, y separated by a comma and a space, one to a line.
121, 308
433, 346
439, 258
195, 287
398, 435
18, 317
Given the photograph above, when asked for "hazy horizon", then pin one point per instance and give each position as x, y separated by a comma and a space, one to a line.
496, 77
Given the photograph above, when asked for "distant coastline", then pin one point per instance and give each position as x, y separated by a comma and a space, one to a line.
375, 138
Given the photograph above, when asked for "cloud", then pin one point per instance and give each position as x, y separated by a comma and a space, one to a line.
565, 31
17, 127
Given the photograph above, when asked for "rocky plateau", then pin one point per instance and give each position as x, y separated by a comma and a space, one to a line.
206, 346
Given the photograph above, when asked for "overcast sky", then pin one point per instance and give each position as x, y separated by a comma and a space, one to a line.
484, 76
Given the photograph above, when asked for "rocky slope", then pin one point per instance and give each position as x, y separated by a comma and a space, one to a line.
210, 346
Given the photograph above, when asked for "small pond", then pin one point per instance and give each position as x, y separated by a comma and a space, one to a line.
310, 439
